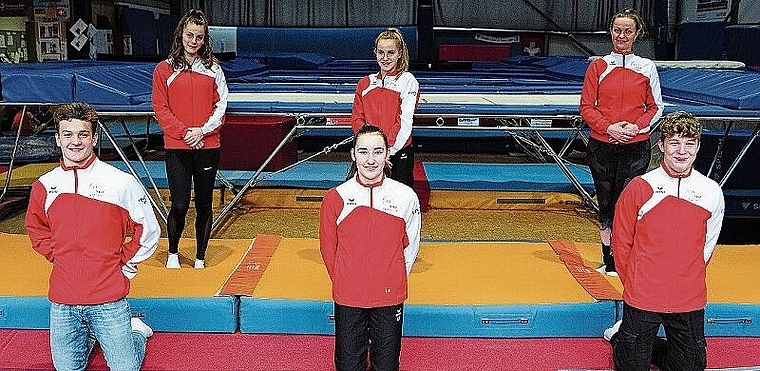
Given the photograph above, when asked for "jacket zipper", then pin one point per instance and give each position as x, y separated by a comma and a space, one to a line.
371, 228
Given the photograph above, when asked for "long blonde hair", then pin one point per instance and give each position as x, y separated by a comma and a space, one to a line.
395, 34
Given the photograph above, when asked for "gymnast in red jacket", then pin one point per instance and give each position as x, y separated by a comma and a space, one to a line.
369, 235
387, 99
620, 101
190, 99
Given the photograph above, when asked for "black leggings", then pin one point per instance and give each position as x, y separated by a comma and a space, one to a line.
185, 169
612, 167
403, 166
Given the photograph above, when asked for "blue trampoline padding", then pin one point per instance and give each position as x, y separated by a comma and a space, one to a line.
287, 60
36, 86
218, 314
505, 177
121, 84
258, 315
241, 67
441, 176
568, 68
730, 89
317, 175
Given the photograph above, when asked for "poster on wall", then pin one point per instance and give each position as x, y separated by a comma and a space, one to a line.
15, 8
51, 9
712, 10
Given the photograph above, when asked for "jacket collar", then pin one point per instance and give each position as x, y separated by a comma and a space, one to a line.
373, 185
86, 164
674, 175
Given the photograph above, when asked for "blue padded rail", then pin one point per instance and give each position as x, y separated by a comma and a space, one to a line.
732, 319
731, 89
266, 316
217, 314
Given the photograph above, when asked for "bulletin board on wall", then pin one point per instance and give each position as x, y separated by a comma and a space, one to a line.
13, 47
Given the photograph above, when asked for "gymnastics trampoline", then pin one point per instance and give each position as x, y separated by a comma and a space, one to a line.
531, 99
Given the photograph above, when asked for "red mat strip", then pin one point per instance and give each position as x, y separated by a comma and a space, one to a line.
247, 274
591, 281
29, 350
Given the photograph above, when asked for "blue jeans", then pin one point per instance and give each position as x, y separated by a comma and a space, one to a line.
74, 329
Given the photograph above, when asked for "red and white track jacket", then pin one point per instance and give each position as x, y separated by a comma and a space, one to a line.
188, 98
369, 237
78, 219
664, 233
621, 87
389, 104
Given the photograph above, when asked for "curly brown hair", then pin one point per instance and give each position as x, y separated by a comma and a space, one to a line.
76, 111
682, 124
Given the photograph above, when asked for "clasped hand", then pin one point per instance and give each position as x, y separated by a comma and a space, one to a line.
194, 138
622, 132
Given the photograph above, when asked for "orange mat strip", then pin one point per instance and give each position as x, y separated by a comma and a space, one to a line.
591, 280
247, 274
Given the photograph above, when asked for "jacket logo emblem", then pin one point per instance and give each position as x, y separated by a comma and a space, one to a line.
351, 201
143, 200
659, 189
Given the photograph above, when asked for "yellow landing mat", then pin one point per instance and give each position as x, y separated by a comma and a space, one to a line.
733, 275
26, 175
23, 272
445, 273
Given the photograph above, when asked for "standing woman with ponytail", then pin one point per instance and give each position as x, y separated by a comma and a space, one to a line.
620, 101
190, 99
369, 236
387, 100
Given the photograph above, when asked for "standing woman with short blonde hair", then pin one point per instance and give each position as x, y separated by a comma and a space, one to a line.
387, 99
620, 101
190, 100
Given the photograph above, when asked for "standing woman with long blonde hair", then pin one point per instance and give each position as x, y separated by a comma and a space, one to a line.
190, 100
388, 99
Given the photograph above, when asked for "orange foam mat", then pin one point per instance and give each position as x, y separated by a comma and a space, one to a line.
444, 274
733, 274
25, 273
